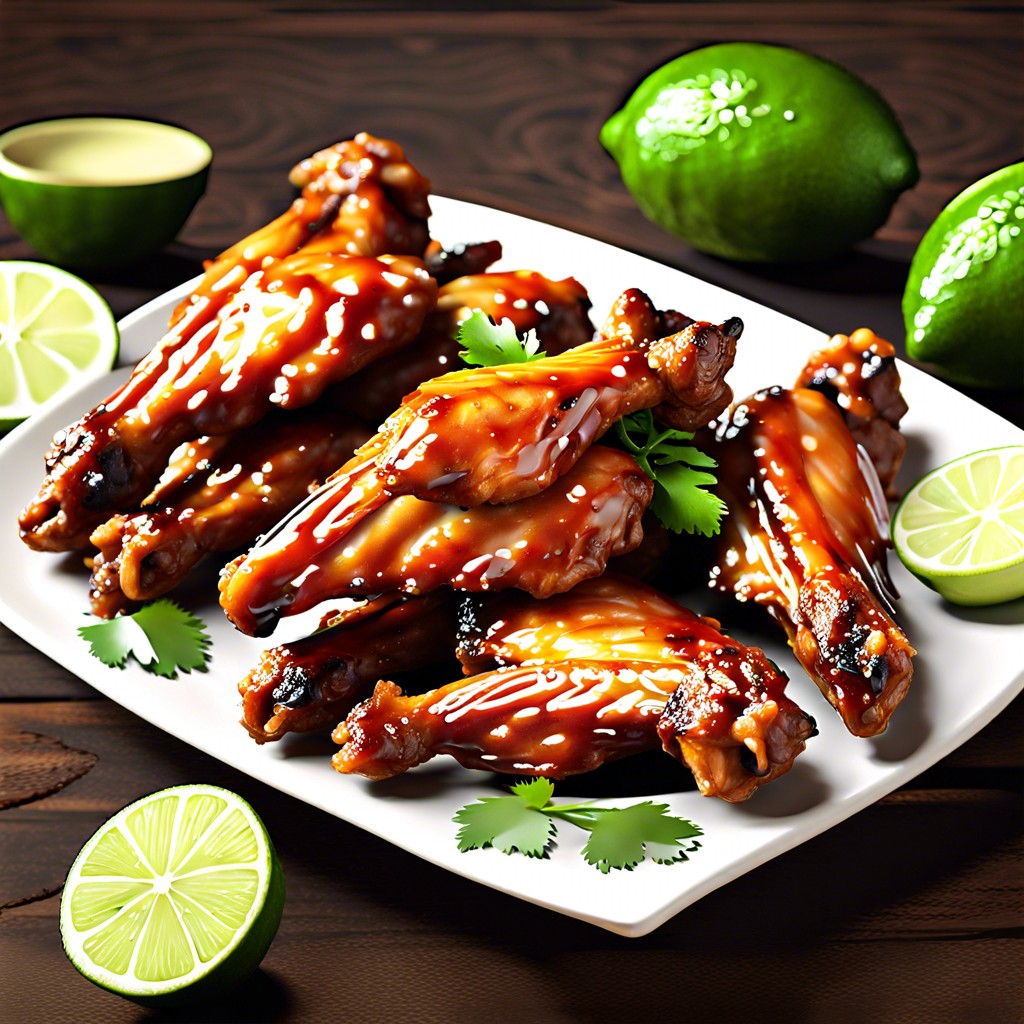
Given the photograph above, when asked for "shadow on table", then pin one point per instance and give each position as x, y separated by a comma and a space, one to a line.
260, 1000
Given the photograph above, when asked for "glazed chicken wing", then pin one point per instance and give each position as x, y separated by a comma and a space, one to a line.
446, 264
556, 310
485, 435
859, 373
217, 494
291, 329
497, 434
359, 197
561, 686
542, 544
312, 683
806, 538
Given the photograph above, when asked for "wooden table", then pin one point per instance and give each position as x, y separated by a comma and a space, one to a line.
909, 911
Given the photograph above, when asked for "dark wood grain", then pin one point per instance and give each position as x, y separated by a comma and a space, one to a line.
910, 911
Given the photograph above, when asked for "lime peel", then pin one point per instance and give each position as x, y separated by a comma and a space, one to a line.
960, 316
960, 528
764, 153
175, 898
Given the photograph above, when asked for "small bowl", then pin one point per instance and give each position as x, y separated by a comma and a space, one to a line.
100, 193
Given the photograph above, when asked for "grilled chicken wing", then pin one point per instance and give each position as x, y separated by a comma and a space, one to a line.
465, 258
218, 494
859, 373
556, 310
542, 544
360, 196
291, 329
493, 435
313, 682
608, 669
497, 434
806, 537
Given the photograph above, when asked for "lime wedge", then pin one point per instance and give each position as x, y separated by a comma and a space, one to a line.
177, 897
56, 332
960, 528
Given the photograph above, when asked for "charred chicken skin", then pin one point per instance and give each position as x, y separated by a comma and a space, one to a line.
542, 544
859, 373
217, 494
806, 538
291, 329
561, 686
312, 683
487, 435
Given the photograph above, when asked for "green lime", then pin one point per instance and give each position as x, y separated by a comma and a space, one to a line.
960, 528
56, 331
176, 897
763, 153
962, 304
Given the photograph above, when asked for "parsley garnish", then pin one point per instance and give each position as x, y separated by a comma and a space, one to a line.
490, 344
680, 500
162, 637
620, 837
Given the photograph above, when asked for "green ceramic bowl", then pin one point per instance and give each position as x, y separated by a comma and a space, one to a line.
100, 193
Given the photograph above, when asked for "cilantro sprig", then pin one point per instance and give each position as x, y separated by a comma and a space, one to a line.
489, 344
678, 470
620, 837
162, 637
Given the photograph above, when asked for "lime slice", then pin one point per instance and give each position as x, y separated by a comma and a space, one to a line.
960, 528
176, 897
56, 331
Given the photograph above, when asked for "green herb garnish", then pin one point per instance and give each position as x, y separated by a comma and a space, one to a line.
620, 837
162, 637
680, 500
490, 344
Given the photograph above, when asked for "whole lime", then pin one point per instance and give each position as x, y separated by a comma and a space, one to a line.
962, 304
756, 152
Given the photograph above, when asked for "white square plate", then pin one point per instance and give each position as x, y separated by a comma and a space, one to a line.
44, 599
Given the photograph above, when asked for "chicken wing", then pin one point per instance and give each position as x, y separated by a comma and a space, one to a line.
497, 434
312, 683
218, 494
556, 310
293, 328
859, 373
542, 544
606, 670
806, 538
465, 258
490, 434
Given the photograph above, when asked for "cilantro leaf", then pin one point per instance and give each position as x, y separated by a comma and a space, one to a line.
680, 500
507, 823
619, 836
681, 503
162, 637
536, 792
489, 344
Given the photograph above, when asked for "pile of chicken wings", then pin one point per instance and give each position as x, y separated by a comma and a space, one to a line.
307, 416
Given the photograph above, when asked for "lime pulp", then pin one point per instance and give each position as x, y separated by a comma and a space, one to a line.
175, 897
960, 528
56, 331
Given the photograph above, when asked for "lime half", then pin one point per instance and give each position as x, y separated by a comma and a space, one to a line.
960, 528
176, 897
56, 331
